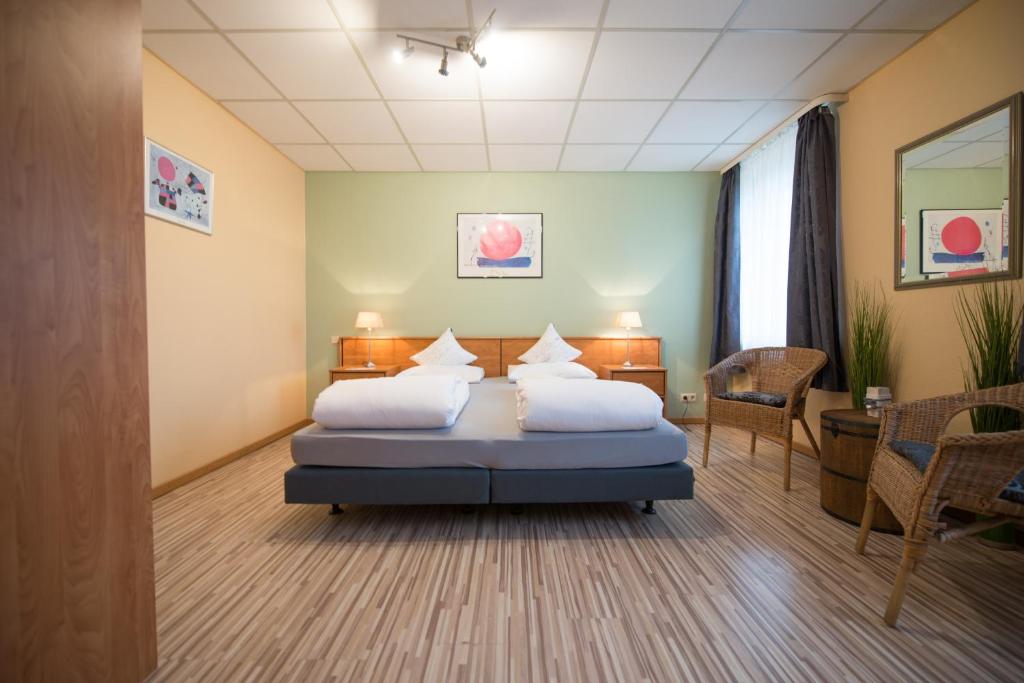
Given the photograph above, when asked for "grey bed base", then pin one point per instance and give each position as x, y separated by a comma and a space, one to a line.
476, 485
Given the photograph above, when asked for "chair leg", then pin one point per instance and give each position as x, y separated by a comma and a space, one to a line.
753, 442
810, 437
865, 522
707, 442
912, 551
788, 460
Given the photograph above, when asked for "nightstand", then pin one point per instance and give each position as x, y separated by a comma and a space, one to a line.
654, 377
362, 372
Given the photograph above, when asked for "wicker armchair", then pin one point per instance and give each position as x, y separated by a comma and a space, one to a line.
780, 371
966, 471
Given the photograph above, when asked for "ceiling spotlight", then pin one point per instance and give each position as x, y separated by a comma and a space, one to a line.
467, 44
399, 56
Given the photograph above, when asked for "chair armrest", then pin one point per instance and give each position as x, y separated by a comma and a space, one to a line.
976, 467
801, 386
716, 379
926, 419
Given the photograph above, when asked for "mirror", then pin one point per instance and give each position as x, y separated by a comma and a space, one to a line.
958, 200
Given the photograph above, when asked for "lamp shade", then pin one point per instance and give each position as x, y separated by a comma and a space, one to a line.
629, 320
369, 320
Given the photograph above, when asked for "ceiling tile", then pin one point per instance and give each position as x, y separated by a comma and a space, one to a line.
919, 155
314, 157
242, 14
644, 64
355, 122
771, 115
720, 157
308, 65
753, 65
703, 121
524, 157
834, 14
848, 62
997, 123
275, 121
528, 122
211, 63
416, 77
669, 13
534, 64
452, 157
170, 14
596, 157
402, 13
968, 156
379, 157
436, 122
538, 13
669, 157
913, 15
619, 122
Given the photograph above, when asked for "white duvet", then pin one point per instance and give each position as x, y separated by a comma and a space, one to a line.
595, 405
392, 403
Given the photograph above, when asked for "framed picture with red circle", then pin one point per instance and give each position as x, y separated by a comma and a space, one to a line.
500, 245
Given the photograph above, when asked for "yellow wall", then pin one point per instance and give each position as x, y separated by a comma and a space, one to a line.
227, 312
972, 61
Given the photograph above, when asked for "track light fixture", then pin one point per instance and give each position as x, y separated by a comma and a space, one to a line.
467, 44
400, 56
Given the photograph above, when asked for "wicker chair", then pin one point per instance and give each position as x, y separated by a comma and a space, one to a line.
966, 471
782, 371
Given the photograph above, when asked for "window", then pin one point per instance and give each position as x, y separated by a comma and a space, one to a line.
766, 197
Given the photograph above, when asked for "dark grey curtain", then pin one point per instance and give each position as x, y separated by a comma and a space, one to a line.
725, 334
812, 313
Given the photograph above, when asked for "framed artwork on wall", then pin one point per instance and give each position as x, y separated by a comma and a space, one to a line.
178, 190
500, 245
963, 242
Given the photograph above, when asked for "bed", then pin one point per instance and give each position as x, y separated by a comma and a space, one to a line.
484, 457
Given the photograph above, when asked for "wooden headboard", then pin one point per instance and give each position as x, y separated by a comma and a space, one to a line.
495, 354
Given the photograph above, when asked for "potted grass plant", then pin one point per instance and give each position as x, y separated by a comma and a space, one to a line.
990, 322
871, 329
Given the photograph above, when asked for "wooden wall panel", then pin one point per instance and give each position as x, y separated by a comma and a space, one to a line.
76, 553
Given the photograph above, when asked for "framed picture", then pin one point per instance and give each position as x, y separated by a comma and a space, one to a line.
961, 242
178, 190
500, 245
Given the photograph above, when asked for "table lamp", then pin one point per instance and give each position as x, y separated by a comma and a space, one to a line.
628, 320
369, 321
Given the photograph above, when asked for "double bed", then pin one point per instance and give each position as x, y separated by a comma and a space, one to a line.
485, 457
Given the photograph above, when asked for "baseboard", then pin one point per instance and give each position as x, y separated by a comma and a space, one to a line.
169, 486
803, 449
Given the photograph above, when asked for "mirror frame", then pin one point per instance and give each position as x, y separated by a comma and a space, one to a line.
1013, 102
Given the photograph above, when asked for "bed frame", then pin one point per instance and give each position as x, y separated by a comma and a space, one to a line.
468, 486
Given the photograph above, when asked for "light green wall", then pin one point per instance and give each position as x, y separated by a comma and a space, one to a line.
946, 188
612, 241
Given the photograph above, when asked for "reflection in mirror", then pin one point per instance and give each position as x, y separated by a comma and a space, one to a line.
955, 201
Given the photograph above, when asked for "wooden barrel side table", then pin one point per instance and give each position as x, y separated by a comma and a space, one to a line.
848, 440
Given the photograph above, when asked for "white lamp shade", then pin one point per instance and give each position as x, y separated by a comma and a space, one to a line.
629, 320
369, 320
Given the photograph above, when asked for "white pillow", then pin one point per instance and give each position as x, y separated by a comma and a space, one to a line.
470, 373
550, 348
444, 351
563, 370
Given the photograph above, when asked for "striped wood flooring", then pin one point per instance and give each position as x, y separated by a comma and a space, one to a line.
743, 583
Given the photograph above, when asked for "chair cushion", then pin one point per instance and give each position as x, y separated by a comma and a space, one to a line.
921, 453
759, 397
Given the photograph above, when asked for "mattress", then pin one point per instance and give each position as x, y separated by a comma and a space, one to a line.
486, 435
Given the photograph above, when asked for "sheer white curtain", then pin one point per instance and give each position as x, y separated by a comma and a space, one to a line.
766, 197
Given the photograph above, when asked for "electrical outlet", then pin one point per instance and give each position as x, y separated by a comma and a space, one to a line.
688, 398
335, 340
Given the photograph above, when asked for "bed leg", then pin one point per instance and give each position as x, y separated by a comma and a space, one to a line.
649, 508
336, 509
517, 509
468, 509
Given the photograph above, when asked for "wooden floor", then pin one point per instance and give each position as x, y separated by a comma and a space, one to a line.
743, 583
